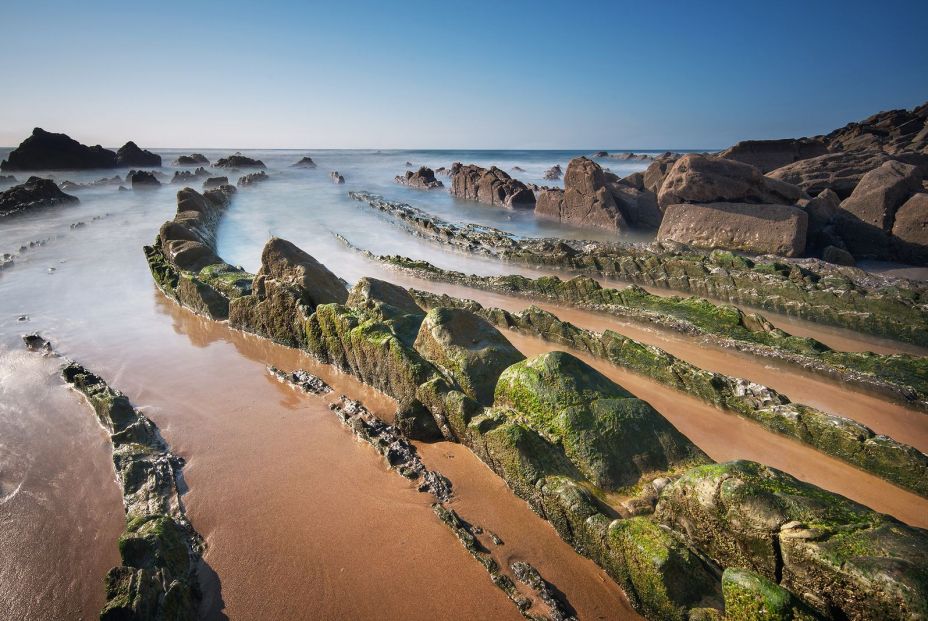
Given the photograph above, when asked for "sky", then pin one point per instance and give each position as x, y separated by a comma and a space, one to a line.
444, 74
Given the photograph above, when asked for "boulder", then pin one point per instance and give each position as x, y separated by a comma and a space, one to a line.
910, 230
35, 193
702, 179
143, 179
468, 348
750, 596
554, 173
489, 185
634, 180
841, 558
422, 179
238, 161
752, 228
611, 437
286, 290
656, 171
47, 151
215, 182
638, 206
130, 155
866, 217
838, 256
252, 178
767, 155
306, 162
839, 172
194, 159
336, 178
585, 201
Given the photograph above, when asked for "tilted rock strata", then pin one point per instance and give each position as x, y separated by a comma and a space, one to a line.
489, 185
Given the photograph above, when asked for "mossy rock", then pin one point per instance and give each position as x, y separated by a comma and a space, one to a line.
752, 597
156, 542
611, 437
843, 559
468, 348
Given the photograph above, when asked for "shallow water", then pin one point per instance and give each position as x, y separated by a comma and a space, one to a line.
300, 520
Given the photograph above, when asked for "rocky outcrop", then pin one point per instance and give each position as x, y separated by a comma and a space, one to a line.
554, 173
285, 291
47, 151
468, 348
822, 547
252, 179
238, 161
305, 162
593, 198
35, 193
194, 159
893, 131
865, 219
767, 155
422, 179
130, 155
910, 230
215, 182
701, 179
756, 229
839, 172
489, 185
336, 178
143, 179
186, 177
159, 548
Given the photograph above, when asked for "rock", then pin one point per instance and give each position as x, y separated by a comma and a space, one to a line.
130, 155
821, 211
238, 161
656, 171
468, 348
840, 558
287, 288
489, 185
893, 131
600, 154
194, 159
47, 151
185, 176
253, 178
634, 180
838, 256
611, 437
305, 162
143, 179
701, 179
910, 230
767, 155
422, 179
215, 182
749, 596
866, 217
554, 173
337, 179
839, 172
35, 193
517, 169
638, 206
756, 229
373, 291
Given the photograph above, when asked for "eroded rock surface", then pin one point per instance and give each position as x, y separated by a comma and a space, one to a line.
422, 179
489, 185
35, 193
767, 155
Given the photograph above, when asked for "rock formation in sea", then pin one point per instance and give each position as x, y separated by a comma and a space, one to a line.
194, 159
252, 178
187, 177
130, 155
491, 186
215, 182
238, 161
336, 178
142, 179
47, 151
554, 173
305, 162
35, 193
422, 179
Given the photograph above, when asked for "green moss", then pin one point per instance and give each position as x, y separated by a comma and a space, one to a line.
751, 597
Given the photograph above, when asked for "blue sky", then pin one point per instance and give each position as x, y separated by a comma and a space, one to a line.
472, 74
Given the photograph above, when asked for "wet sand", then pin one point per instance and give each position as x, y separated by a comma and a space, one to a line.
726, 437
61, 511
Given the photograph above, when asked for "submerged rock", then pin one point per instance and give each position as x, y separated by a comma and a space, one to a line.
422, 179
489, 185
336, 178
47, 151
194, 159
305, 162
35, 193
130, 155
238, 161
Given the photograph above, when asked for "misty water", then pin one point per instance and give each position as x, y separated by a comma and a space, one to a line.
295, 514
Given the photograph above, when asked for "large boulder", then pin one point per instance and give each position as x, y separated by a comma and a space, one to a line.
35, 193
468, 348
703, 179
422, 179
757, 229
637, 205
656, 172
766, 155
611, 437
839, 172
841, 558
130, 155
489, 185
47, 151
866, 217
910, 230
287, 288
238, 161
